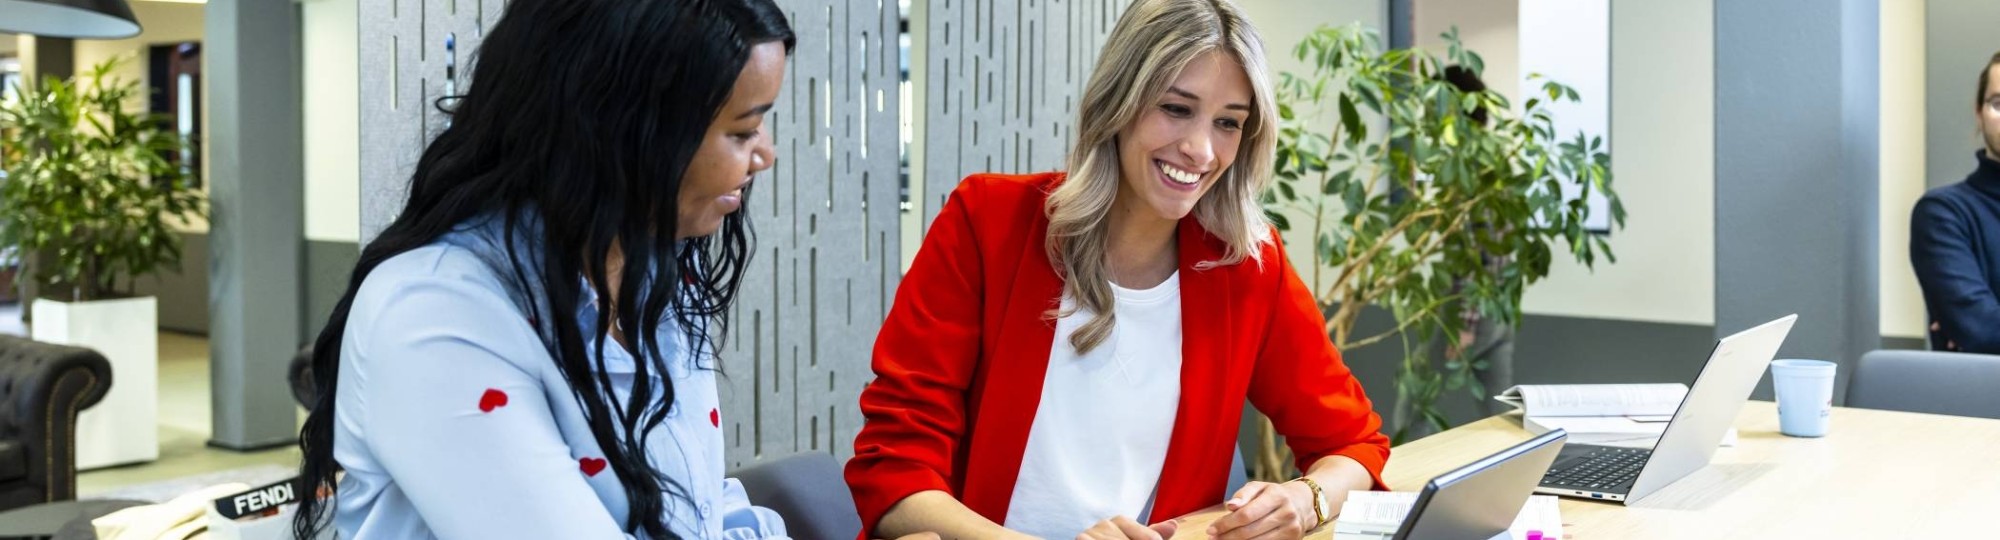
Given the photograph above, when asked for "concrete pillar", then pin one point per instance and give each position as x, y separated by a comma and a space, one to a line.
1796, 144
256, 188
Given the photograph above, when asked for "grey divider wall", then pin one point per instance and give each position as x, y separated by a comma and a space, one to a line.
826, 261
1002, 85
402, 75
1797, 86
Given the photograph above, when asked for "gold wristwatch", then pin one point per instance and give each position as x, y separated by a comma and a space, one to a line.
1320, 510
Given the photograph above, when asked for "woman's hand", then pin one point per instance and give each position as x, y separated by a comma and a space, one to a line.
1267, 511
1123, 528
1949, 345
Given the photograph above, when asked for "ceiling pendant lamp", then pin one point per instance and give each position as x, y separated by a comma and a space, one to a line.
80, 19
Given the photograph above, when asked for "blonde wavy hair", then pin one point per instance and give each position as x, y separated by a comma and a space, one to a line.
1153, 41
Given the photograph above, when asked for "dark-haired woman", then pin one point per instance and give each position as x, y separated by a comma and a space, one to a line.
526, 351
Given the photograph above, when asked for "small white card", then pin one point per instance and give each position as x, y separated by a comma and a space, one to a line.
1377, 514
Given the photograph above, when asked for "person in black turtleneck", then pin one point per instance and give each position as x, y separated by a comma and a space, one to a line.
1955, 242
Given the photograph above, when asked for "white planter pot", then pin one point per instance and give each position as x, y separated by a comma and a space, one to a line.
123, 428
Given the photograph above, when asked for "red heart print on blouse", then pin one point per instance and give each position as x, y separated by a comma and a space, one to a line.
492, 399
715, 417
591, 466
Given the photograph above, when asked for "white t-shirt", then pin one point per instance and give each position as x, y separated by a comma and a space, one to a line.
1101, 431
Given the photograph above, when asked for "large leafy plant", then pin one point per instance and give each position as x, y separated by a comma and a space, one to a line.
1440, 218
89, 186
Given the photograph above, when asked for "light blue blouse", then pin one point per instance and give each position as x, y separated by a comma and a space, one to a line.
452, 421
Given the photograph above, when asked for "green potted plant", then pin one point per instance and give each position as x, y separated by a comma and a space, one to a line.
91, 201
1444, 218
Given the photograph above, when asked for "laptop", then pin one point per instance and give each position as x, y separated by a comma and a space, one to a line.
1612, 473
1480, 501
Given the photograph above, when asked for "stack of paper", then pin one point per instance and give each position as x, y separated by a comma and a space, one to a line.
1377, 514
1604, 414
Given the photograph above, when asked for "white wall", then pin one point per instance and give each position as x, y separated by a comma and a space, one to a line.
1662, 122
1569, 41
1284, 23
330, 46
24, 49
1903, 162
1487, 27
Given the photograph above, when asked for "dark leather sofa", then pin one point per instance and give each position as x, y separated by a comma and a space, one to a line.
42, 388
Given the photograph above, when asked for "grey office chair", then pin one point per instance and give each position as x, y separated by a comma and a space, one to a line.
1934, 382
806, 489
1239, 474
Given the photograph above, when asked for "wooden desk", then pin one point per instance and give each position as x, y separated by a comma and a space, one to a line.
1876, 475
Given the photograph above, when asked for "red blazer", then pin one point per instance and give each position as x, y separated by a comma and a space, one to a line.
960, 361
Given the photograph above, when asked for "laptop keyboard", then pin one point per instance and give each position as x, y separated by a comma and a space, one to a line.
1605, 468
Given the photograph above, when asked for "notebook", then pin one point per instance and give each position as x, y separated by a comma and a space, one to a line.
1595, 399
1628, 415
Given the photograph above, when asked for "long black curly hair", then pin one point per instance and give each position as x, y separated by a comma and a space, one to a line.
583, 116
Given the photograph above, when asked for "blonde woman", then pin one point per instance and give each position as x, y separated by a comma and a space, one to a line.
1069, 354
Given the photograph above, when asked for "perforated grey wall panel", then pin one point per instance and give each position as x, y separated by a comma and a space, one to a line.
827, 237
1003, 85
402, 61
825, 215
